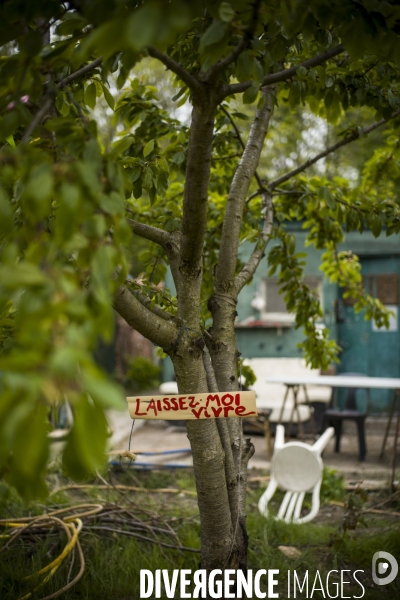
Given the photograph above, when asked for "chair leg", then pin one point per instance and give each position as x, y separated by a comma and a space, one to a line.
325, 423
361, 440
266, 497
267, 433
392, 407
338, 433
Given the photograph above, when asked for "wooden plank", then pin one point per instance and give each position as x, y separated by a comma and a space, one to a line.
193, 406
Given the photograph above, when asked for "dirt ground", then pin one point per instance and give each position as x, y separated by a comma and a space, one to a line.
162, 436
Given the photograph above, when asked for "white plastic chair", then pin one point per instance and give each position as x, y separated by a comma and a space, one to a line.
168, 387
297, 469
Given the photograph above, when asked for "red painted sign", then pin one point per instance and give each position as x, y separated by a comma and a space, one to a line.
195, 406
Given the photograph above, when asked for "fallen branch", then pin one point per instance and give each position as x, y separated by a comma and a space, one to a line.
144, 538
131, 488
369, 510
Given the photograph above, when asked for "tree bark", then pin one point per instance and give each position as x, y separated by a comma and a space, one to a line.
220, 451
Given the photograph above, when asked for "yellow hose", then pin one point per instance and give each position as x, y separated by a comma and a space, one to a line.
64, 553
71, 524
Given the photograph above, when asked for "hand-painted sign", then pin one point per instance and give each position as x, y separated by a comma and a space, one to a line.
196, 406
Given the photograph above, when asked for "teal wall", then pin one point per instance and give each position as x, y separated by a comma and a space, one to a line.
366, 349
258, 342
168, 373
282, 342
270, 342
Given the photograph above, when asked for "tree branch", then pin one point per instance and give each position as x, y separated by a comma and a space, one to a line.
79, 73
225, 271
209, 369
172, 65
258, 192
247, 35
195, 203
41, 113
148, 232
351, 138
169, 241
146, 302
274, 78
250, 268
241, 142
150, 325
223, 430
37, 119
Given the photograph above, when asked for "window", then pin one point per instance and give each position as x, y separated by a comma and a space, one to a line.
275, 307
385, 287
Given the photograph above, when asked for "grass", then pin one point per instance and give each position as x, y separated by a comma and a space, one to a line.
113, 561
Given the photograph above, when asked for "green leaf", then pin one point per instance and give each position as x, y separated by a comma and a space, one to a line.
90, 95
327, 195
31, 43
240, 115
179, 94
301, 72
6, 215
226, 12
10, 140
105, 392
23, 274
30, 446
245, 66
178, 158
9, 124
121, 145
149, 147
392, 99
113, 204
214, 34
86, 443
375, 224
137, 188
250, 95
152, 196
135, 173
143, 24
30, 451
147, 180
109, 98
92, 153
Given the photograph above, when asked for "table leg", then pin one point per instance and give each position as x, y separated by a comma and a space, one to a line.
396, 437
312, 419
289, 430
296, 406
267, 432
389, 423
283, 404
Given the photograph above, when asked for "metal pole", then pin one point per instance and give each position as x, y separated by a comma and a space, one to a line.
395, 443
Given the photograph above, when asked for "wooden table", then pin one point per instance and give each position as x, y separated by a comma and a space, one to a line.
294, 384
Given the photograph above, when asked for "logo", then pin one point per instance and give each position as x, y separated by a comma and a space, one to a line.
387, 567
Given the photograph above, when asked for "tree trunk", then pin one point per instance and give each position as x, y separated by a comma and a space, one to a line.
220, 457
220, 451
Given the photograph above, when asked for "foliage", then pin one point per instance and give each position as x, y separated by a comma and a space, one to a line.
246, 373
353, 517
332, 485
142, 374
90, 154
113, 563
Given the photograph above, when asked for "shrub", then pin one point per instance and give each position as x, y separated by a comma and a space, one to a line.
142, 374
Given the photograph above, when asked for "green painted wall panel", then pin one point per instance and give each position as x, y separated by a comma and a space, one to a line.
374, 353
364, 351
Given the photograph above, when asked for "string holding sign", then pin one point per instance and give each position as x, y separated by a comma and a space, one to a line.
196, 406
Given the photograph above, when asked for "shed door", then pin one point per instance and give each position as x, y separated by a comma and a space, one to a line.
365, 348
